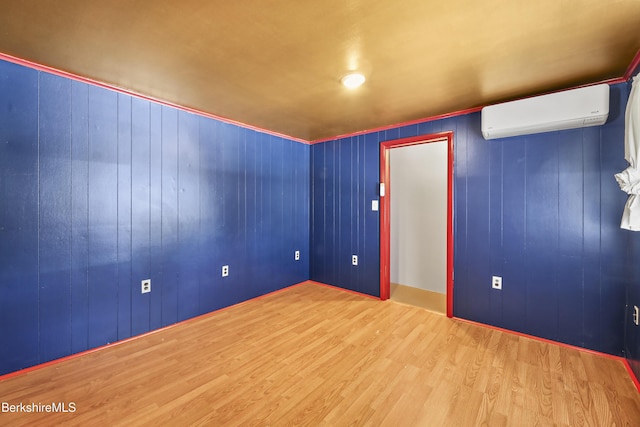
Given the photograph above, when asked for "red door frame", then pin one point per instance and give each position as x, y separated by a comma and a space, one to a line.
385, 209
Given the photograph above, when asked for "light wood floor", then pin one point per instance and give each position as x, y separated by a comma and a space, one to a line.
432, 301
313, 355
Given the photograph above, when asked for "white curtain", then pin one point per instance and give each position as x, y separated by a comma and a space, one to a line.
629, 179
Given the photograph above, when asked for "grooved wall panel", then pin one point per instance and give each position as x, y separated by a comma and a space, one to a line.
345, 181
19, 254
125, 171
140, 214
103, 216
54, 247
542, 211
168, 305
155, 211
189, 214
79, 259
100, 190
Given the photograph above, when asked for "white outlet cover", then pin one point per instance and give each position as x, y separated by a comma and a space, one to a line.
496, 282
297, 256
374, 205
225, 270
354, 259
145, 286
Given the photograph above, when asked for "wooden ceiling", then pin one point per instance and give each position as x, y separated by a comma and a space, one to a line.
277, 64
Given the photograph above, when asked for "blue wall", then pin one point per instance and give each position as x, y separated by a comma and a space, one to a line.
99, 190
344, 181
542, 211
632, 332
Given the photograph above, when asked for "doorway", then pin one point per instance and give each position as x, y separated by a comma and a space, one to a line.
411, 252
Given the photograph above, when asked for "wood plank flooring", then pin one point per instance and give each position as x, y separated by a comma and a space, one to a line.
314, 355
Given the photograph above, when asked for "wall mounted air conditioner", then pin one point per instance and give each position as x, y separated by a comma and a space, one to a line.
587, 106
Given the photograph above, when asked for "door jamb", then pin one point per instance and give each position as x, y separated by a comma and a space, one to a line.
385, 208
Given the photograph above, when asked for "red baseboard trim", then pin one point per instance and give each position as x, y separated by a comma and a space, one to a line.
624, 361
82, 353
146, 334
203, 316
341, 289
632, 375
69, 75
545, 340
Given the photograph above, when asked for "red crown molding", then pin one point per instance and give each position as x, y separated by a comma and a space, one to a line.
635, 63
66, 74
456, 113
399, 125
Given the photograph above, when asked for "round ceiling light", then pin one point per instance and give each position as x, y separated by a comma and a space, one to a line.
352, 81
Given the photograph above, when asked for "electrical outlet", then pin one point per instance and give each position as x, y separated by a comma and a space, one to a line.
297, 256
354, 259
636, 315
145, 286
496, 282
225, 270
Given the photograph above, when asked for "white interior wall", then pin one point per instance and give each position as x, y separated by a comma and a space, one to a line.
419, 216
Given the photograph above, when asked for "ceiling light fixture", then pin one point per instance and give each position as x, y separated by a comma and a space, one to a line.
352, 81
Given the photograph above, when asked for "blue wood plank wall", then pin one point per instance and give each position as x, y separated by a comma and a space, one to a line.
542, 211
344, 181
100, 190
632, 332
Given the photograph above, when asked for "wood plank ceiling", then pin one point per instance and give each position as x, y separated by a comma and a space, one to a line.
277, 64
